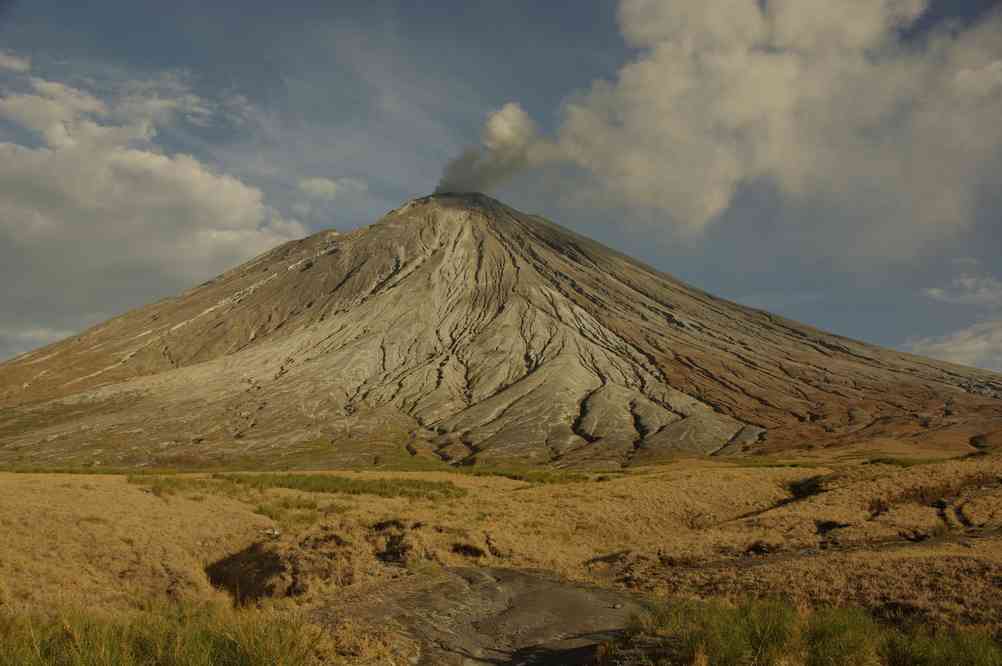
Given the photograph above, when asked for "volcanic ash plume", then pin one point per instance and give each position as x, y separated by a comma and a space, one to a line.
508, 145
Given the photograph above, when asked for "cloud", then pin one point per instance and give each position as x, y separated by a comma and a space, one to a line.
55, 111
979, 345
509, 144
983, 290
11, 61
18, 340
325, 188
880, 144
105, 185
164, 99
100, 204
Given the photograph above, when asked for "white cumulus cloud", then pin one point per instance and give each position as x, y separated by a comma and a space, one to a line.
979, 345
98, 204
102, 185
880, 143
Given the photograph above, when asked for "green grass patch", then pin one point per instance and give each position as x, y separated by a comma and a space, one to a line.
326, 483
753, 634
167, 486
289, 509
771, 633
528, 475
181, 635
904, 462
941, 649
837, 636
297, 511
92, 470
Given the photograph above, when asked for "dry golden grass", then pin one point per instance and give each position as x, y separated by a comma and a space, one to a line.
921, 541
193, 634
99, 541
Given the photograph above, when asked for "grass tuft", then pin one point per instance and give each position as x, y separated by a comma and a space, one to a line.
170, 635
836, 636
754, 634
941, 649
767, 633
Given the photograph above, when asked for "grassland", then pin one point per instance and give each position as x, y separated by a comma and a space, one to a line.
232, 484
775, 633
909, 546
165, 635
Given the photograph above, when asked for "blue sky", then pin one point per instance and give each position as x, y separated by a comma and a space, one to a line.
836, 164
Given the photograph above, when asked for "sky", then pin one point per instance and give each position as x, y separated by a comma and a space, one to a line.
838, 162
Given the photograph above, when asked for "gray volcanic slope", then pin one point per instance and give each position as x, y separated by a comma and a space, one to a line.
461, 329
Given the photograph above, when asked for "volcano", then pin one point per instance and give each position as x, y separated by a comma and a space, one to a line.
458, 329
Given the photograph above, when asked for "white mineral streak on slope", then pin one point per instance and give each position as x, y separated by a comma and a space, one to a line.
41, 359
229, 300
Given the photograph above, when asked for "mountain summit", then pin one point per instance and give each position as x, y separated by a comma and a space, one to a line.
457, 328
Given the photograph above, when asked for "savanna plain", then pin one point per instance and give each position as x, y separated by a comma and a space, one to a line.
853, 559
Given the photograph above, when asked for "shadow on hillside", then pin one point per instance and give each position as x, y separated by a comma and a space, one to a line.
248, 575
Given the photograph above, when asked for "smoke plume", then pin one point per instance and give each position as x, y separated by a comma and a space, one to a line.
506, 148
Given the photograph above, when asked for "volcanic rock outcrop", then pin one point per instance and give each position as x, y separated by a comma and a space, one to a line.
459, 329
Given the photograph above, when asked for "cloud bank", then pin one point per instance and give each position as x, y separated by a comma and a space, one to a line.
88, 197
828, 104
99, 183
979, 345
983, 290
